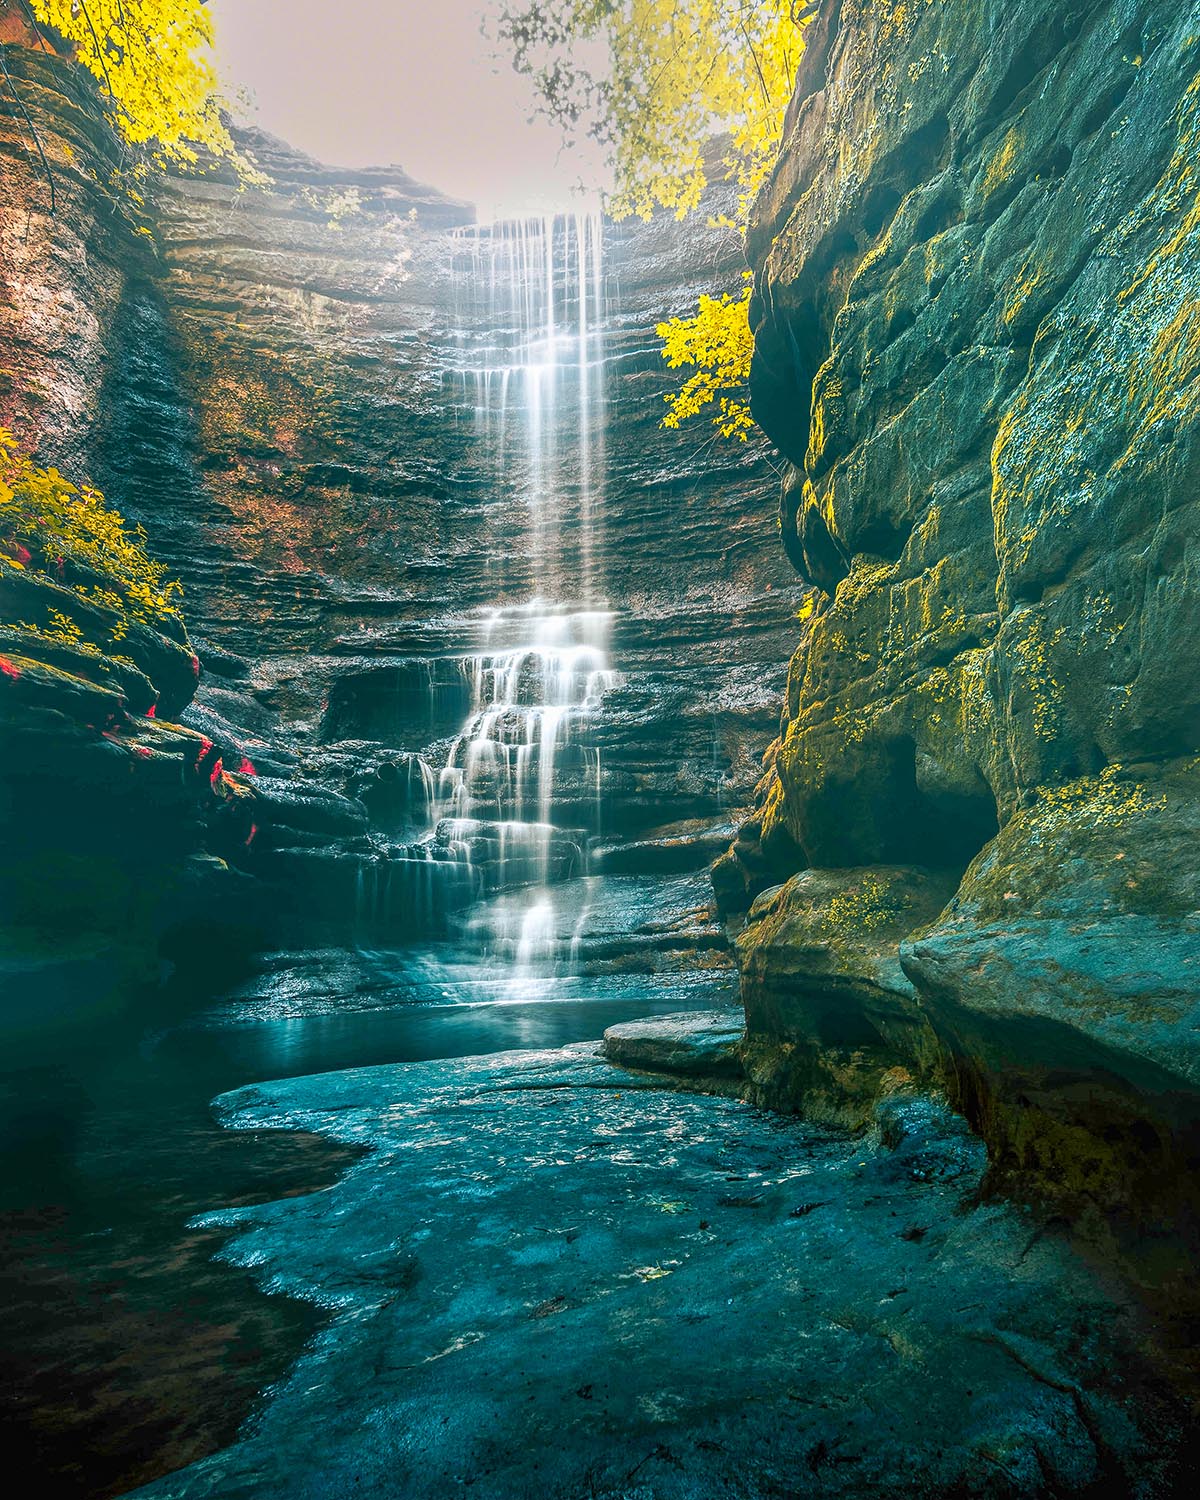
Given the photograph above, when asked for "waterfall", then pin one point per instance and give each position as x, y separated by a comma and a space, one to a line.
519, 793
530, 313
530, 690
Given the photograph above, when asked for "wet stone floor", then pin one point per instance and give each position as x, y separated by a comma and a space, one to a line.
128, 1351
549, 1277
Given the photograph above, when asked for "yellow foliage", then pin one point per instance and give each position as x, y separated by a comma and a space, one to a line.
69, 534
718, 343
335, 205
699, 67
150, 58
655, 81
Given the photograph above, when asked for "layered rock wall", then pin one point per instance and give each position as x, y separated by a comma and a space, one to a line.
110, 813
977, 319
352, 512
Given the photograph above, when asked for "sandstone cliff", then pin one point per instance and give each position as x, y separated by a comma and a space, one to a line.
976, 309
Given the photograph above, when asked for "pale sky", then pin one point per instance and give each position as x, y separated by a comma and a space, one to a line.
374, 82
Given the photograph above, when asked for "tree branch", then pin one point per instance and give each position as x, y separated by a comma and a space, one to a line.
87, 16
37, 140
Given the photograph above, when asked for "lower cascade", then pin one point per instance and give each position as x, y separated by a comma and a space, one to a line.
530, 698
519, 796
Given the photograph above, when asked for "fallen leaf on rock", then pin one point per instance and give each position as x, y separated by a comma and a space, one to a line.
652, 1273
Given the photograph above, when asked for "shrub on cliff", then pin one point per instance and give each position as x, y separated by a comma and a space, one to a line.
151, 59
717, 343
70, 535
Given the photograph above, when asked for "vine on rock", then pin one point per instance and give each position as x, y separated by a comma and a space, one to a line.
151, 59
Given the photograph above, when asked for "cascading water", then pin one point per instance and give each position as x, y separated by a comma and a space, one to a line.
530, 306
521, 784
529, 695
518, 795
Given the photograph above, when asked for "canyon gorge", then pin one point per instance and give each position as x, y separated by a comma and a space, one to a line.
843, 780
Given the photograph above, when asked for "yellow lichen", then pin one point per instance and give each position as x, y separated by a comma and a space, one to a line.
865, 906
1003, 165
1033, 656
1027, 283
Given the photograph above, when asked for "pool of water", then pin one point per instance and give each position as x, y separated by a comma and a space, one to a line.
128, 1351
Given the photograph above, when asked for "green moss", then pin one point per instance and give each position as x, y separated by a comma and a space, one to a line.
1073, 834
864, 907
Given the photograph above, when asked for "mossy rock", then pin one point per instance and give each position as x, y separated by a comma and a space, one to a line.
829, 1010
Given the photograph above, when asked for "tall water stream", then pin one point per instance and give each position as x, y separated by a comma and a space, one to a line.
514, 800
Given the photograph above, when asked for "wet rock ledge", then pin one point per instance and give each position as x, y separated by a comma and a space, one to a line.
551, 1274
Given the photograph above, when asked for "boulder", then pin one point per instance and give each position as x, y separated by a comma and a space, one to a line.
702, 1044
830, 1013
1065, 977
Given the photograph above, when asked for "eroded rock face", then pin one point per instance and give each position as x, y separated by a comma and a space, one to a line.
1065, 976
64, 272
346, 513
114, 820
978, 345
829, 1009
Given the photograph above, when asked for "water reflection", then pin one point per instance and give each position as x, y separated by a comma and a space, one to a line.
401, 1007
122, 1335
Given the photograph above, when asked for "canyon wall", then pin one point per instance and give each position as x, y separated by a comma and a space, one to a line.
110, 813
977, 320
355, 510
972, 858
271, 382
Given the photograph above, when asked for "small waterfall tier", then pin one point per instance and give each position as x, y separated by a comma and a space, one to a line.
514, 806
519, 794
540, 676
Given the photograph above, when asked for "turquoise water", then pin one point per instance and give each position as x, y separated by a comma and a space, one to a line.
127, 1350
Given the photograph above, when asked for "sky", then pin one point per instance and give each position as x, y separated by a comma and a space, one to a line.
411, 82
